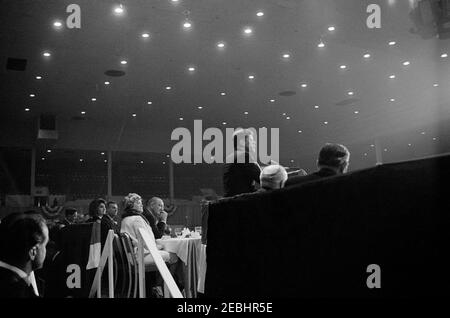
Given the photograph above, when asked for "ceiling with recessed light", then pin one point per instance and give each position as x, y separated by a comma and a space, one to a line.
313, 69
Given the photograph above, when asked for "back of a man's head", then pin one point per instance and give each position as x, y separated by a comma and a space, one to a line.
334, 156
19, 233
273, 177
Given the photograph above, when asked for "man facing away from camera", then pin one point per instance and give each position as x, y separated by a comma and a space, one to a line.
23, 241
333, 160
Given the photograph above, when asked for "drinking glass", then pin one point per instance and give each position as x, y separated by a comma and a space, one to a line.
178, 231
198, 229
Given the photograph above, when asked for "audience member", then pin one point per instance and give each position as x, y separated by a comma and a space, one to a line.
71, 215
108, 222
273, 177
23, 241
133, 220
97, 209
156, 216
242, 174
333, 160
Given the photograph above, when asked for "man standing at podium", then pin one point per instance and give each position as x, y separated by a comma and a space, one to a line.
241, 170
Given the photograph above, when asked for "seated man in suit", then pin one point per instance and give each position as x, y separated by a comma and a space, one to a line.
23, 241
333, 160
273, 177
71, 214
108, 222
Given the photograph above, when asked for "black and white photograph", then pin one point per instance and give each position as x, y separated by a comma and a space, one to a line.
215, 156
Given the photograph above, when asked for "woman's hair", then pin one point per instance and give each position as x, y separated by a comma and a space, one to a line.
130, 199
93, 207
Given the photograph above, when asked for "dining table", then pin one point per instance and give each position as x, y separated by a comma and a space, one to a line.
188, 250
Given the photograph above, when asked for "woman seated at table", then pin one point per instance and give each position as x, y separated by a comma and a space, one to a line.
133, 220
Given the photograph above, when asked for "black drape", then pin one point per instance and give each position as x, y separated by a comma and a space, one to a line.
317, 239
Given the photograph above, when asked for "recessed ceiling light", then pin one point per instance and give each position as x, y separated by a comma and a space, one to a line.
145, 35
284, 114
423, 133
191, 69
385, 149
46, 54
351, 93
42, 158
248, 31
245, 113
81, 160
93, 99
434, 138
366, 56
300, 131
343, 67
223, 94
392, 100
286, 56
391, 43
32, 95
304, 85
321, 44
372, 145
200, 107
221, 45
27, 109
123, 62
107, 83
187, 25
316, 107
356, 112
168, 156
38, 77
164, 162
409, 145
435, 84
105, 161
444, 55
392, 76
49, 151
251, 77
134, 115
288, 117
224, 123
406, 63
57, 24
83, 113
149, 103
272, 100
181, 118
365, 154
102, 153
168, 88
260, 14
142, 162
292, 160
118, 10
331, 28
325, 122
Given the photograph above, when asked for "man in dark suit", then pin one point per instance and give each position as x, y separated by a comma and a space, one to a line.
23, 241
241, 171
333, 160
71, 215
108, 221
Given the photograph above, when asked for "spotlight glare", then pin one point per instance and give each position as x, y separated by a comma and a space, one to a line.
145, 35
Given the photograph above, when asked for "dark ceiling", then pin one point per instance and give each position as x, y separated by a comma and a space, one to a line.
397, 111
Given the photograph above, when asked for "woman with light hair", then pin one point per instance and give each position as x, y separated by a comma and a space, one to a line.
133, 220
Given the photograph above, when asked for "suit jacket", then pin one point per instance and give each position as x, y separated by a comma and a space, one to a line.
240, 178
13, 286
322, 173
158, 229
107, 224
